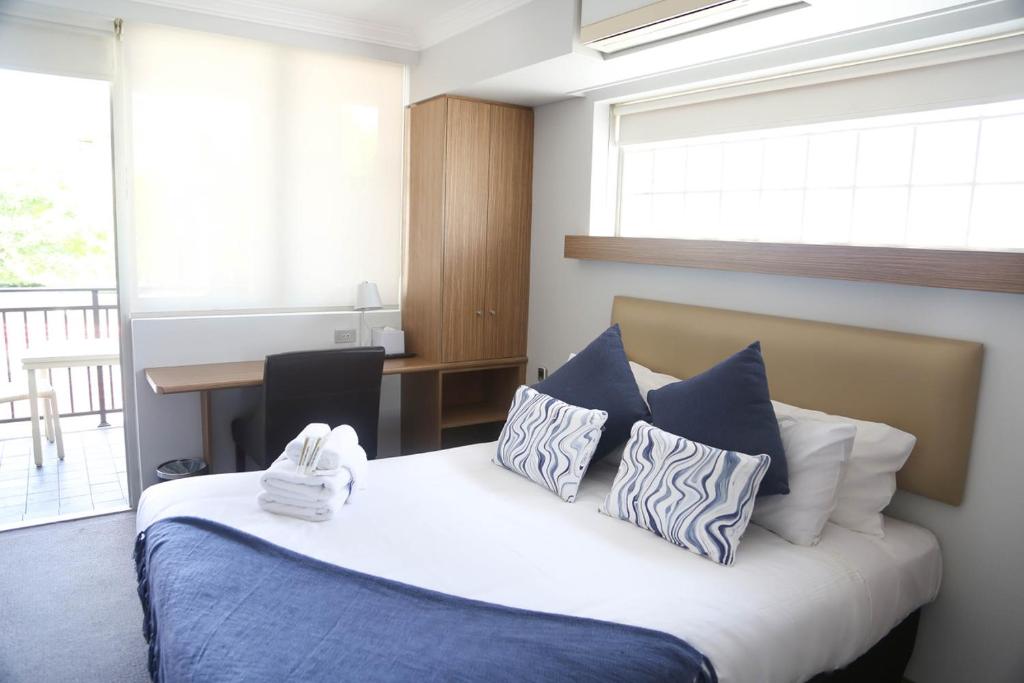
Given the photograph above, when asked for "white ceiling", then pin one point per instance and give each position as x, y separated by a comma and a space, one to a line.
407, 24
404, 13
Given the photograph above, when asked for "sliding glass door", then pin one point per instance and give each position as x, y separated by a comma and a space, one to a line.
58, 301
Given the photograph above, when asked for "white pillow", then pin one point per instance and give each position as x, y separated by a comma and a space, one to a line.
649, 380
693, 495
869, 481
548, 441
816, 452
869, 478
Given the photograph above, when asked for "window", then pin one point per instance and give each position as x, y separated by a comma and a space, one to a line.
259, 176
56, 199
944, 178
905, 168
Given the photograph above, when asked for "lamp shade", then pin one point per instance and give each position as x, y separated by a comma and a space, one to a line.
367, 297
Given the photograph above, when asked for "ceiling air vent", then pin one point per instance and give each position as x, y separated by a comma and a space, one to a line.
670, 18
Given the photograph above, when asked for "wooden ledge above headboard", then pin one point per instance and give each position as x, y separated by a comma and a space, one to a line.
987, 271
927, 386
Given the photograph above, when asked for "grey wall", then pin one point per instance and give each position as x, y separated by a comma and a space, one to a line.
975, 630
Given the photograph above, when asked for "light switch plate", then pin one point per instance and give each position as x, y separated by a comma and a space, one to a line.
344, 336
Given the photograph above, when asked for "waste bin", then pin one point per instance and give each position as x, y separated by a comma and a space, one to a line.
179, 469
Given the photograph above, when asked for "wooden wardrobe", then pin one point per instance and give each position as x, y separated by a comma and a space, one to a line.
467, 263
465, 290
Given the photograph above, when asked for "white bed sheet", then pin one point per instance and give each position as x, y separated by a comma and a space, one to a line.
454, 522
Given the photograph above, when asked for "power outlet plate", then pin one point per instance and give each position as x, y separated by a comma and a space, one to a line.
344, 336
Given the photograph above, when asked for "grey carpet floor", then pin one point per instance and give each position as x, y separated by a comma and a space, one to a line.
68, 606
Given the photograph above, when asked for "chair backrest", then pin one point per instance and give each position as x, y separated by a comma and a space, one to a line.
337, 386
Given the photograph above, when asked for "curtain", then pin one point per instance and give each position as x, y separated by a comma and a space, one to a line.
255, 175
53, 48
785, 102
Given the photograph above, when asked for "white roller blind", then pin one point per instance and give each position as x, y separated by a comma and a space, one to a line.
904, 90
47, 47
259, 175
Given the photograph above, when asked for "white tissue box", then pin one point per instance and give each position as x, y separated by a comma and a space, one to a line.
391, 339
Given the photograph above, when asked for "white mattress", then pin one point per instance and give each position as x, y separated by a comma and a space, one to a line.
454, 522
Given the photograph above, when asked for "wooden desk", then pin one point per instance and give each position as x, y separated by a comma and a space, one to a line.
435, 395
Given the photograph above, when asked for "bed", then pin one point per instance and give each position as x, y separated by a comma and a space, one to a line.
454, 523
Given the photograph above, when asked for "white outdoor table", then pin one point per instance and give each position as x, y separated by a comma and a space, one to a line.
71, 354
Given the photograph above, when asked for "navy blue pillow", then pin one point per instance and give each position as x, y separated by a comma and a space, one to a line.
727, 407
599, 377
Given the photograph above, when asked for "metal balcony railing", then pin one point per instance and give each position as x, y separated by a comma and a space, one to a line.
31, 316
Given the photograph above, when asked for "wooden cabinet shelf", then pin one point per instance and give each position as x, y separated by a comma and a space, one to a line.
464, 416
478, 396
444, 409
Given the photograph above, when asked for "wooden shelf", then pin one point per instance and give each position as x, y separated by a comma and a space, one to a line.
454, 437
460, 404
473, 397
989, 271
463, 416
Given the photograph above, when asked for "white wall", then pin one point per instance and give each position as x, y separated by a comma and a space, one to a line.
974, 631
169, 426
536, 32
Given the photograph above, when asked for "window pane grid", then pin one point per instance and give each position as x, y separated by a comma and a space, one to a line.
943, 179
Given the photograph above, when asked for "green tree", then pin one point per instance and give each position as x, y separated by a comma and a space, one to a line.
42, 242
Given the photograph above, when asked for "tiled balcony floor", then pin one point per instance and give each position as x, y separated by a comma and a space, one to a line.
90, 479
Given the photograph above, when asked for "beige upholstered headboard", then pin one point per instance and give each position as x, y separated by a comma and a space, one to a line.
927, 386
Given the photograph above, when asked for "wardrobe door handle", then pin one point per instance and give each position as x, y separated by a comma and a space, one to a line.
479, 313
493, 312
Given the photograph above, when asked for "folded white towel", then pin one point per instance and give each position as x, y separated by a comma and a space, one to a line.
311, 431
341, 468
342, 451
319, 512
335, 444
284, 478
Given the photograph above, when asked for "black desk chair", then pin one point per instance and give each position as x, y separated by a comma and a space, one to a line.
338, 386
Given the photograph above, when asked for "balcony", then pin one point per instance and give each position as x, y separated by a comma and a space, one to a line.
91, 478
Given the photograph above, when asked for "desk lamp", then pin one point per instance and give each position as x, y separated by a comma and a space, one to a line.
367, 299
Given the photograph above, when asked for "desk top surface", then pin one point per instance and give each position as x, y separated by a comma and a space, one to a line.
209, 376
70, 353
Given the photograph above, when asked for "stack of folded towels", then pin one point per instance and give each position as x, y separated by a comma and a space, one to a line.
309, 482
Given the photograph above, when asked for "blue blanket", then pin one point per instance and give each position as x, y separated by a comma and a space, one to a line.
223, 605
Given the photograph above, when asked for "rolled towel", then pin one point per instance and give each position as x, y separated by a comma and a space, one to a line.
313, 430
283, 478
336, 442
283, 505
342, 451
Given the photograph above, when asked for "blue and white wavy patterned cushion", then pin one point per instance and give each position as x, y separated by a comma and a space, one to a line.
696, 496
549, 441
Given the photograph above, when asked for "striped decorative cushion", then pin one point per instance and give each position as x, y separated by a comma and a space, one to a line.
549, 441
696, 496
